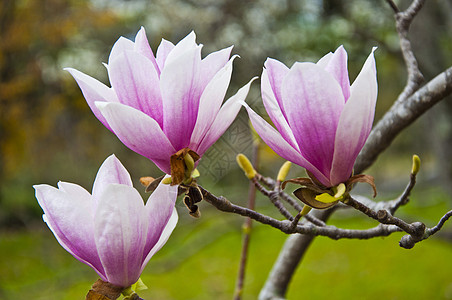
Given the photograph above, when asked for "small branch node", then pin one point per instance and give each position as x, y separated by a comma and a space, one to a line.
407, 242
382, 215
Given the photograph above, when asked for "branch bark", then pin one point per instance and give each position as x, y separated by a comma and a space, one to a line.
401, 115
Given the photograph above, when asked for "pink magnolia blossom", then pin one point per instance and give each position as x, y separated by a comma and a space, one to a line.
321, 121
110, 230
160, 104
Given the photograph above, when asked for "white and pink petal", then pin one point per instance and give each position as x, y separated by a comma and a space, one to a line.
212, 64
159, 209
274, 111
180, 95
313, 102
142, 46
355, 122
210, 102
68, 213
94, 90
136, 82
139, 132
163, 50
120, 231
110, 172
223, 120
278, 144
337, 66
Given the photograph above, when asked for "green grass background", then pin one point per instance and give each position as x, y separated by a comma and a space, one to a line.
200, 261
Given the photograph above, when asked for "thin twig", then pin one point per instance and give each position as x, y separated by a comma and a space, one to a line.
384, 217
440, 224
408, 241
274, 198
247, 226
271, 183
403, 22
404, 198
285, 226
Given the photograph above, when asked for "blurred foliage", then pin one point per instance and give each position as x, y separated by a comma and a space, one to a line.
47, 132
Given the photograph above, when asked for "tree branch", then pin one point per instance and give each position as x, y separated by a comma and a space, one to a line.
408, 241
271, 183
401, 115
390, 224
403, 22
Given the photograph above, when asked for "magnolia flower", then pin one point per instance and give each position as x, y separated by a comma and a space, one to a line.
322, 122
110, 230
159, 105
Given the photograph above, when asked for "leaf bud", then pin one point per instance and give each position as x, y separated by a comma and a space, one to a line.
245, 164
416, 164
283, 171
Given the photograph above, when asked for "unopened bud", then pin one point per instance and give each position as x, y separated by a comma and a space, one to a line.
306, 209
340, 190
283, 171
189, 162
245, 164
167, 180
416, 164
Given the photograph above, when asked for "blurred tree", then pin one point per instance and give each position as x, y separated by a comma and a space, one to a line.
39, 114
44, 121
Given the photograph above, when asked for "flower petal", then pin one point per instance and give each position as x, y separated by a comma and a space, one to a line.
187, 44
355, 122
337, 66
276, 72
212, 64
121, 45
142, 46
67, 213
120, 229
159, 208
313, 101
136, 82
139, 132
164, 236
210, 102
163, 50
323, 62
94, 90
223, 120
111, 171
180, 94
278, 144
275, 112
